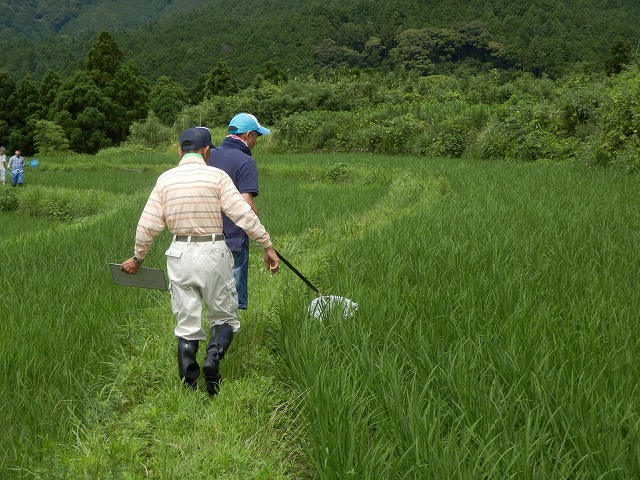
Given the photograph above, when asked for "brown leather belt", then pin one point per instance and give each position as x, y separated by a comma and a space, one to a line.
214, 237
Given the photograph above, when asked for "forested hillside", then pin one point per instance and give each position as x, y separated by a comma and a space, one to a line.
183, 39
500, 79
40, 19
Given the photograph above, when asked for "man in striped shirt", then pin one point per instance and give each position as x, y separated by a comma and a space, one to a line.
189, 200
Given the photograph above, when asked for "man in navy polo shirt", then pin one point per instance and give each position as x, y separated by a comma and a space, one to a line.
234, 157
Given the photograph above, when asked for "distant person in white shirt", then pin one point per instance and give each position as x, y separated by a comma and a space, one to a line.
3, 160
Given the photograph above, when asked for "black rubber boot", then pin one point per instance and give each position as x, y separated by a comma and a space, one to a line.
221, 337
188, 367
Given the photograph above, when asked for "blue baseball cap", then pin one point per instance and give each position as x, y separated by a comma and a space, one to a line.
195, 138
245, 122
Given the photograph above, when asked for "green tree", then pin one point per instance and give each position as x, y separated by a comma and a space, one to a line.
328, 54
90, 131
472, 40
49, 88
220, 81
103, 58
50, 138
128, 92
29, 101
197, 91
413, 51
7, 101
84, 113
374, 52
27, 110
620, 56
273, 74
167, 99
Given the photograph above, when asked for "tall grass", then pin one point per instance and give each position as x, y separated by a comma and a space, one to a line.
77, 350
496, 334
495, 337
59, 319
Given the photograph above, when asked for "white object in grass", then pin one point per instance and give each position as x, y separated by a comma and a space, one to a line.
321, 306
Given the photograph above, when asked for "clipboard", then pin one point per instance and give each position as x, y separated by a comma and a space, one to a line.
144, 278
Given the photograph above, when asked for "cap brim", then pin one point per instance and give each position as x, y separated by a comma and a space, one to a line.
263, 131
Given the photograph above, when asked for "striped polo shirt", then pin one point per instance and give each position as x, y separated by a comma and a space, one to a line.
188, 200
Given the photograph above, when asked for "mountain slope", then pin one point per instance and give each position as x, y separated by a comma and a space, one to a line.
185, 38
38, 19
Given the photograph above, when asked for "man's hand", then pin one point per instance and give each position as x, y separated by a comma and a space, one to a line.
130, 266
271, 260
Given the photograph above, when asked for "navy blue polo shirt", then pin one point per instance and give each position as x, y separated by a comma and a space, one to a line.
234, 157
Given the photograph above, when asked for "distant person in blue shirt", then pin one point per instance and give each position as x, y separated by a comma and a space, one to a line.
16, 165
234, 157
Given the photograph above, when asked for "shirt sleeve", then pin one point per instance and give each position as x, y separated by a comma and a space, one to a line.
238, 210
151, 222
247, 178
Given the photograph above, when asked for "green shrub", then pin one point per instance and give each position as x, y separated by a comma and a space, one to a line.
151, 133
50, 138
620, 112
369, 138
298, 129
577, 105
63, 204
212, 113
628, 159
124, 150
492, 142
481, 116
326, 135
439, 88
529, 147
399, 131
450, 144
594, 152
338, 172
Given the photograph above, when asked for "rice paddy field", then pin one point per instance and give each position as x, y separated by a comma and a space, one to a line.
497, 332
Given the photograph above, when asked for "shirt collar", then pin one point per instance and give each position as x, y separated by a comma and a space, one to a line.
191, 157
231, 135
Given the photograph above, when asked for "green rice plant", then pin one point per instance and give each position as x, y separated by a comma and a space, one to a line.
154, 161
8, 199
14, 224
491, 341
59, 328
119, 183
496, 333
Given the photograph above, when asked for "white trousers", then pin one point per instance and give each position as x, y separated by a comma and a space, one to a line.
2, 175
201, 272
